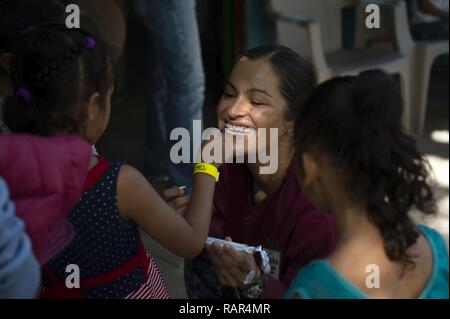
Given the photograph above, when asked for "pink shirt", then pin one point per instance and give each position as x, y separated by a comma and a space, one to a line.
45, 177
285, 222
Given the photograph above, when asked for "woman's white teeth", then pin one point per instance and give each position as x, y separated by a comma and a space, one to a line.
239, 129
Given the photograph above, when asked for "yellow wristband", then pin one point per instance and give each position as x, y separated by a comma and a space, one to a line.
206, 168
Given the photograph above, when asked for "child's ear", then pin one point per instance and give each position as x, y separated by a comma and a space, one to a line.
7, 61
93, 107
310, 169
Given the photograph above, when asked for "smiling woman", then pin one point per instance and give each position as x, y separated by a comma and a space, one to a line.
254, 208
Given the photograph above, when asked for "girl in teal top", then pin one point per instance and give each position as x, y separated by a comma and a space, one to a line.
319, 280
356, 162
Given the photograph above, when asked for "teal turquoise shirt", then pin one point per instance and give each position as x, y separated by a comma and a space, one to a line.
319, 280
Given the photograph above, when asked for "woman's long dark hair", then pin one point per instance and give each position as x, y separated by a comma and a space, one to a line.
357, 123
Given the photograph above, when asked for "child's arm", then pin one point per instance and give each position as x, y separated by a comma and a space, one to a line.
186, 236
19, 269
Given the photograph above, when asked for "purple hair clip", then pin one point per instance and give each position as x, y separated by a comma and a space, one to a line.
90, 42
24, 94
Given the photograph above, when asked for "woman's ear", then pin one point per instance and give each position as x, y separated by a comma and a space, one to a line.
310, 169
7, 61
93, 107
290, 128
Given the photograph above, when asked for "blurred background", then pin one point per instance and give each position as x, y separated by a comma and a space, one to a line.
412, 42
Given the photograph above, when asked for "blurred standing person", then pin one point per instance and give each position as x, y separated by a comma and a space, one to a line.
429, 19
177, 83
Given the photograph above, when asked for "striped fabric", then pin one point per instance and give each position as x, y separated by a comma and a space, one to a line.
154, 288
107, 248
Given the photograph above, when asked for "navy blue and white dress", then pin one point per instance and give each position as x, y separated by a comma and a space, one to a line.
107, 249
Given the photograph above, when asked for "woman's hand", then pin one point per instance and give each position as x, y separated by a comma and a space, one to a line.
177, 199
232, 267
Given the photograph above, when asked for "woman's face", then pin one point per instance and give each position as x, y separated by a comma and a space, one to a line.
252, 100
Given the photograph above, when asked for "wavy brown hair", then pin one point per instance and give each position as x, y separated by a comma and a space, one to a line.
357, 123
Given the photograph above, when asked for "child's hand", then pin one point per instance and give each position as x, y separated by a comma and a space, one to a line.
177, 198
228, 147
232, 267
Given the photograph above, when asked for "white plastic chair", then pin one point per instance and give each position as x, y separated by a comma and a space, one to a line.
349, 61
426, 54
422, 53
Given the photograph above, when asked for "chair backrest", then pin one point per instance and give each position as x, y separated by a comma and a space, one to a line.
365, 37
394, 26
327, 13
405, 42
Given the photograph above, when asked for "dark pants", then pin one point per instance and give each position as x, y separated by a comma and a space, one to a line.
430, 31
177, 83
202, 283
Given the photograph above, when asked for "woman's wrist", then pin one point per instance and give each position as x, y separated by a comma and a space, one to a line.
259, 273
256, 289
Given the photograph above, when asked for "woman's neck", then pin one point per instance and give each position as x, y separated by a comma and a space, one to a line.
270, 183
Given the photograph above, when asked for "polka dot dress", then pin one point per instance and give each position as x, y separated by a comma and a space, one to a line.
103, 244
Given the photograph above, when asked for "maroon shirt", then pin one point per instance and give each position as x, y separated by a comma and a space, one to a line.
284, 222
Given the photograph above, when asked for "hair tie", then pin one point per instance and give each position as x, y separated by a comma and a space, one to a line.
90, 42
24, 94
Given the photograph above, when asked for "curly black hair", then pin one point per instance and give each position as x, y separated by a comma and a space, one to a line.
59, 69
357, 123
